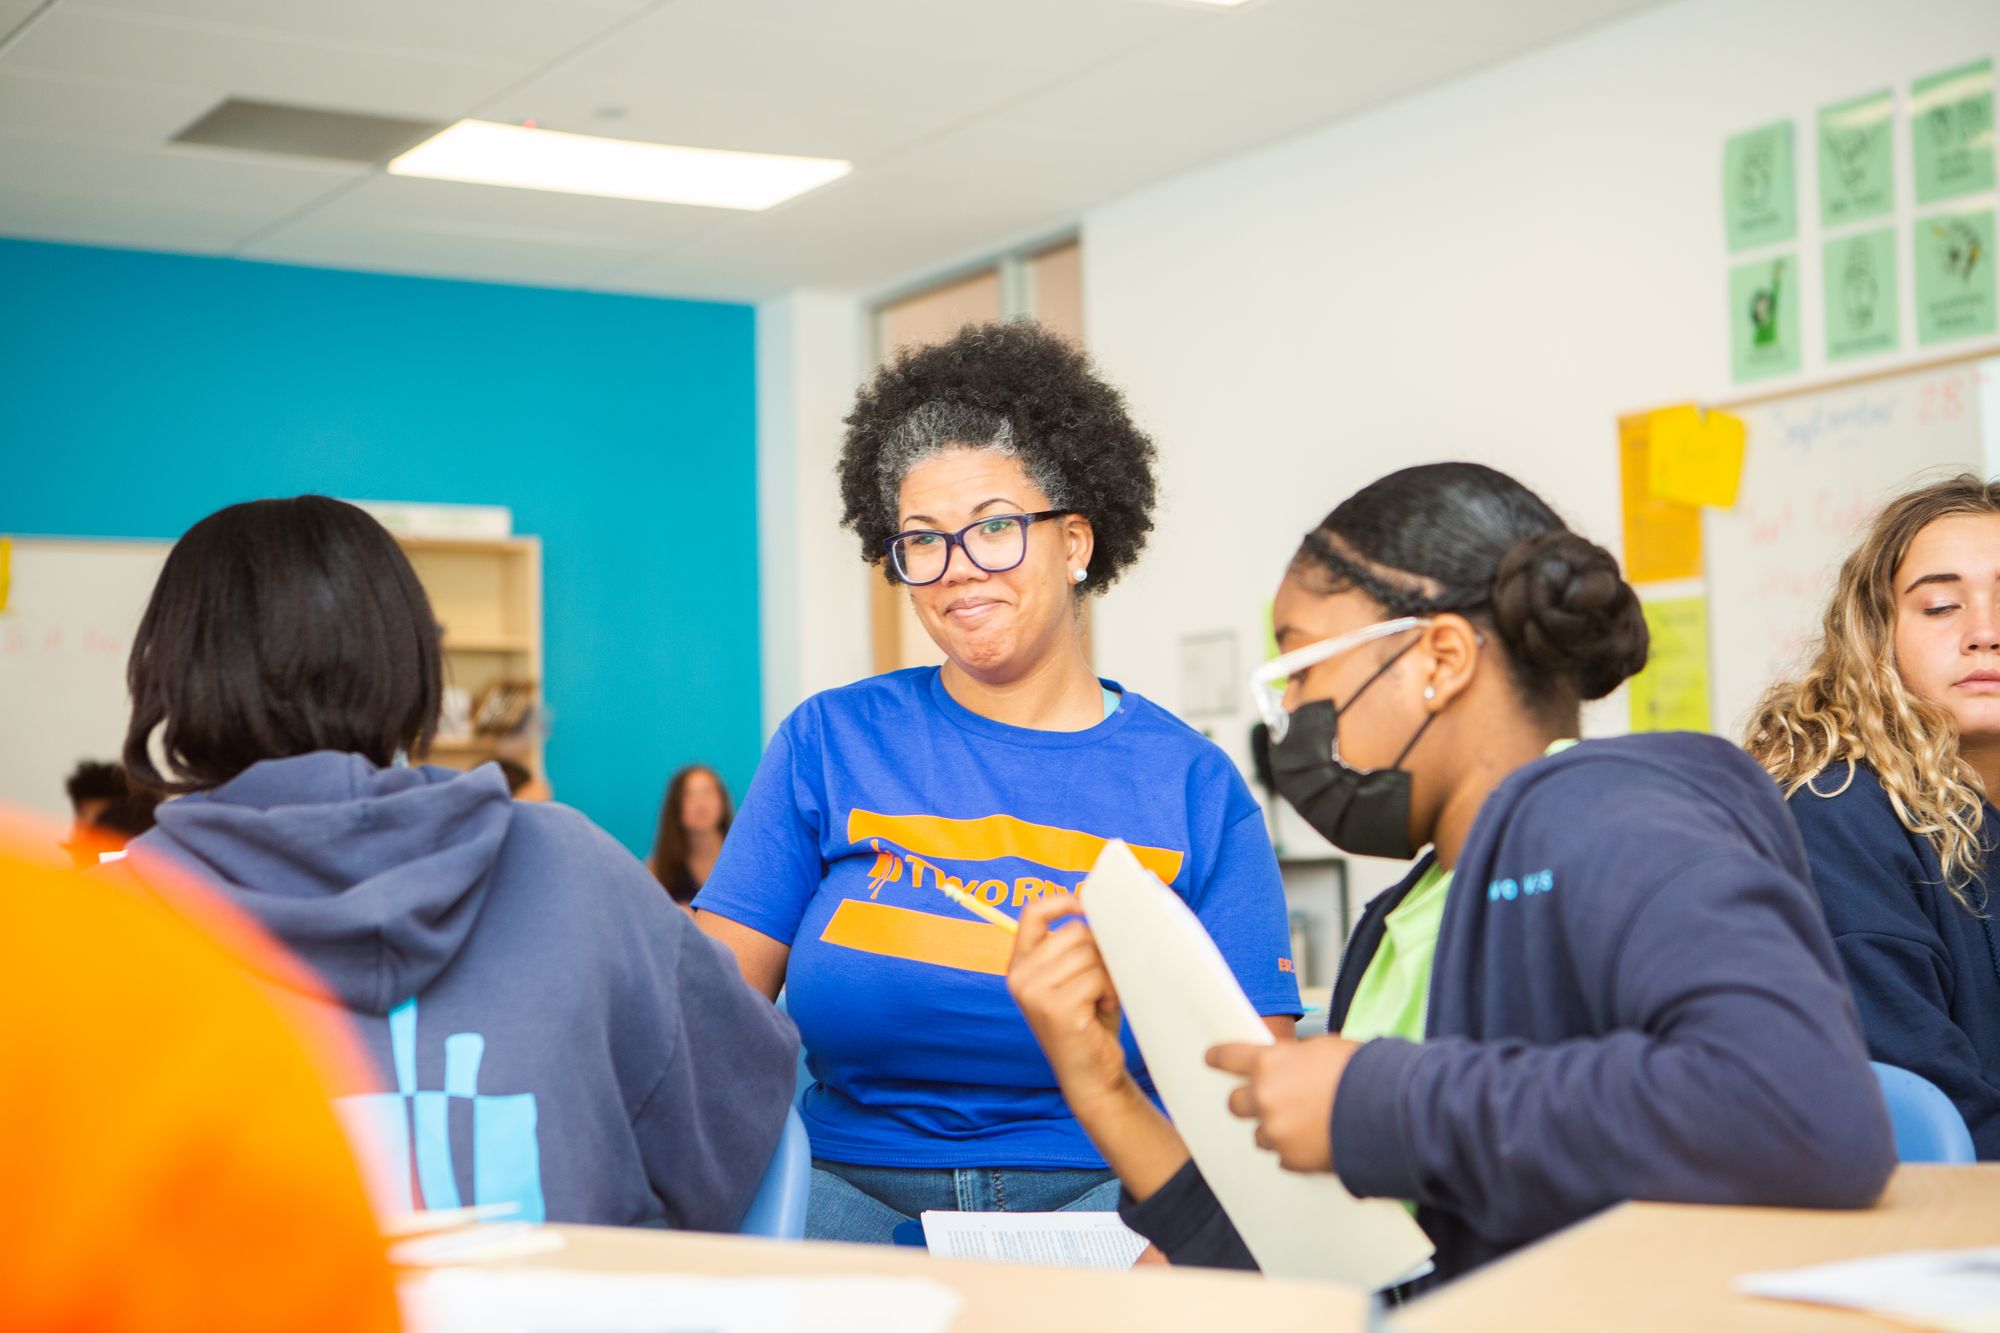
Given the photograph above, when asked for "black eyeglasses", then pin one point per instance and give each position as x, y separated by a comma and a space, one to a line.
995, 544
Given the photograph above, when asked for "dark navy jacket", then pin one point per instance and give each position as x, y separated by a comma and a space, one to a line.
1634, 997
1925, 971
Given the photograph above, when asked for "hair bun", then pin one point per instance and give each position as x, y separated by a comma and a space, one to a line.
1563, 606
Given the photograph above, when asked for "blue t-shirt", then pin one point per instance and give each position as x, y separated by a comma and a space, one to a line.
869, 795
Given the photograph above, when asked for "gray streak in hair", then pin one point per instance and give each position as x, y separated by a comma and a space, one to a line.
939, 426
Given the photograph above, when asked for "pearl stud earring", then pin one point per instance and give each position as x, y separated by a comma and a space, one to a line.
1079, 576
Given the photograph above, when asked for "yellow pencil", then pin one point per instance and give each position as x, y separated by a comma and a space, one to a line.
979, 909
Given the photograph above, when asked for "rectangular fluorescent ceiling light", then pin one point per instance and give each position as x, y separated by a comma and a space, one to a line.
486, 153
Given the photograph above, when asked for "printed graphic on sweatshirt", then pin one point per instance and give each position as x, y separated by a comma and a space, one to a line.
412, 1129
1527, 886
915, 853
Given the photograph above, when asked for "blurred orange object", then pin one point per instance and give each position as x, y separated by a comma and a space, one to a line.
168, 1144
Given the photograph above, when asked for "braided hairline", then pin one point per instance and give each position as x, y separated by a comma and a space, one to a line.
1397, 599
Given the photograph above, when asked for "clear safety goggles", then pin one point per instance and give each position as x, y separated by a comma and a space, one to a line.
1267, 682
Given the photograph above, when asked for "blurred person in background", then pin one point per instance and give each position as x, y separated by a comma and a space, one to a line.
523, 785
694, 819
106, 813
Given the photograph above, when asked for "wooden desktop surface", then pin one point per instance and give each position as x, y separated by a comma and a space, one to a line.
999, 1298
1655, 1266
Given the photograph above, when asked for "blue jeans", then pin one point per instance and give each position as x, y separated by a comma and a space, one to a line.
867, 1203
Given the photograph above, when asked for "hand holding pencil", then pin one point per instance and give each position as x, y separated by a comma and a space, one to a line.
984, 911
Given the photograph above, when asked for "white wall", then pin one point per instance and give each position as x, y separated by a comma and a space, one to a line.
810, 356
1494, 271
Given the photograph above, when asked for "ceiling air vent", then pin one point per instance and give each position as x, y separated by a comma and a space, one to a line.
303, 131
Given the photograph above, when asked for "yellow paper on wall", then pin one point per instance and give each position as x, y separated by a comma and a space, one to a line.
1694, 458
1662, 537
6, 568
1671, 694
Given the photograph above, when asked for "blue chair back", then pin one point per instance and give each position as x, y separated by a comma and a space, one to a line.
1928, 1127
803, 1079
779, 1210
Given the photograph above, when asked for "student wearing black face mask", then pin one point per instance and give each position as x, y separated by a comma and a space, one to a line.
1632, 994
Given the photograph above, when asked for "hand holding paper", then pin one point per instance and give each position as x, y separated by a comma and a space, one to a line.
1181, 1000
1289, 1094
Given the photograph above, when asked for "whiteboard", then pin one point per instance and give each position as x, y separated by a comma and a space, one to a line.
72, 609
1818, 465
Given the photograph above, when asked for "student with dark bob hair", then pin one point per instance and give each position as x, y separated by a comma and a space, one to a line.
999, 480
278, 628
504, 956
1606, 978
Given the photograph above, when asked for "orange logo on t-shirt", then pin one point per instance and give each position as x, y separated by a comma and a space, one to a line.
943, 938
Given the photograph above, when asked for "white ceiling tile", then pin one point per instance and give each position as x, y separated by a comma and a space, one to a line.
898, 223
564, 219
706, 281
1244, 85
224, 61
1052, 36
738, 69
456, 253
260, 188
32, 102
1014, 155
636, 106
176, 225
972, 123
13, 12
848, 80
525, 32
1516, 25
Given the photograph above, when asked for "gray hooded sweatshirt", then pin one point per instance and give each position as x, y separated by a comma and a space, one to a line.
551, 1030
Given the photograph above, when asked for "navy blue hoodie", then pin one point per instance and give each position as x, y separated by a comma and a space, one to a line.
1925, 971
552, 1031
1634, 997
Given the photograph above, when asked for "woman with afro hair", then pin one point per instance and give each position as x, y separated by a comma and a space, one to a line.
1000, 481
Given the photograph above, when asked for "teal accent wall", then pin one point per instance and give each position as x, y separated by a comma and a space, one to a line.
141, 391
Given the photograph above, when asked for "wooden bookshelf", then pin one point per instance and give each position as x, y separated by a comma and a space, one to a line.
487, 643
488, 597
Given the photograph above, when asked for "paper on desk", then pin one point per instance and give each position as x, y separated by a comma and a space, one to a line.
475, 1244
1953, 1291
1054, 1240
426, 1220
531, 1300
1181, 999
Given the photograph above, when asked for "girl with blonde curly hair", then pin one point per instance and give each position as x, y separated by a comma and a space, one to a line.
1887, 747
